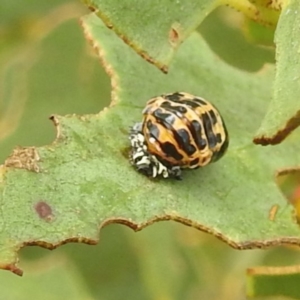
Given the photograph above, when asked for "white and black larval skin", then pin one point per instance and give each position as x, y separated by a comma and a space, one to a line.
145, 162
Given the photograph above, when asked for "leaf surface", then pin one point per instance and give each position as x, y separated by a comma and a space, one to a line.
283, 114
134, 22
175, 21
68, 190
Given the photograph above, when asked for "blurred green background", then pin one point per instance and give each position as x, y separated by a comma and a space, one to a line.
47, 67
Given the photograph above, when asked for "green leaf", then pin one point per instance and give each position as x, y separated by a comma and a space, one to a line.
103, 267
263, 12
48, 278
256, 33
283, 114
174, 22
67, 190
273, 281
161, 27
253, 57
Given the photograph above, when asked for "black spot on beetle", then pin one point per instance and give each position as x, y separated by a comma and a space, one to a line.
181, 109
177, 110
213, 116
182, 137
153, 129
166, 104
194, 162
170, 150
190, 103
167, 119
211, 138
200, 101
219, 137
224, 147
176, 97
202, 144
212, 141
196, 131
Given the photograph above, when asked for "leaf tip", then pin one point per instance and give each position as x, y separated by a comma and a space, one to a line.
12, 268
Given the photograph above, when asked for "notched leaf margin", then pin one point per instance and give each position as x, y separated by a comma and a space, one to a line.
28, 158
137, 227
114, 79
137, 49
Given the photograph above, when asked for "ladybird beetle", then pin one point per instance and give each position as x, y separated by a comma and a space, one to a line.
178, 131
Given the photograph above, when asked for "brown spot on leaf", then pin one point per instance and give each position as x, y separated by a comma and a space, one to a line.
174, 34
273, 211
24, 158
44, 211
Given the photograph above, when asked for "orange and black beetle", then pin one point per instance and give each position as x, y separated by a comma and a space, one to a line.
178, 131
